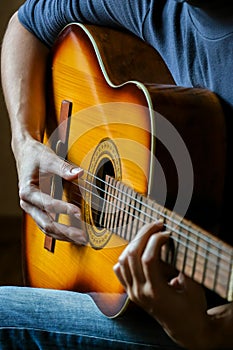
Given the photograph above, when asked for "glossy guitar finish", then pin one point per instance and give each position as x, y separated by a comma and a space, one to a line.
115, 83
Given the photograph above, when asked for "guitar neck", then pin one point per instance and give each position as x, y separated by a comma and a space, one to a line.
195, 252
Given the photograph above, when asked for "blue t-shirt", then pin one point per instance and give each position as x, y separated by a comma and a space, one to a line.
196, 45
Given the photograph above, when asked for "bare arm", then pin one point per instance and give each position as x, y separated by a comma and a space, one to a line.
23, 69
23, 72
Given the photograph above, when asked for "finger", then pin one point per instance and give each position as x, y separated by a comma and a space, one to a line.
45, 202
178, 282
137, 245
54, 229
130, 268
136, 270
117, 268
51, 163
70, 233
152, 256
135, 267
220, 311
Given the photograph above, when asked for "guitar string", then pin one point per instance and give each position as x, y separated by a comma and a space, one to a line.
199, 235
189, 229
218, 245
179, 233
160, 213
200, 245
209, 268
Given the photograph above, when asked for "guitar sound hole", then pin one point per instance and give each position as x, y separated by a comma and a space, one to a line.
97, 209
105, 167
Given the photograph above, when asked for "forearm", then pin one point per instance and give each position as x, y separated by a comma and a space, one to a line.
23, 61
24, 65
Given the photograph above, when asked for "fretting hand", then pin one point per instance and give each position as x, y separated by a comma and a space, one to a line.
175, 301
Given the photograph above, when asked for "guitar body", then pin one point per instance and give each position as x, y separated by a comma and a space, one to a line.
112, 131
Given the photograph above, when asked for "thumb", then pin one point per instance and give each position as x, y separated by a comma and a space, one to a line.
50, 162
69, 171
220, 311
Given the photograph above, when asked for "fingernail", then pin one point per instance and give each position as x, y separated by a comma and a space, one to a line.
166, 233
76, 171
77, 215
159, 222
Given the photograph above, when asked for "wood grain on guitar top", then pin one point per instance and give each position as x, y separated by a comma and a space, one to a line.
115, 84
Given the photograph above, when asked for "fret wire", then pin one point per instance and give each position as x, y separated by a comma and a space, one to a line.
205, 238
165, 224
180, 223
118, 212
217, 269
136, 221
115, 209
199, 272
177, 244
219, 274
146, 214
121, 210
230, 284
103, 211
176, 239
186, 249
123, 214
119, 218
203, 246
200, 254
112, 214
184, 255
195, 256
223, 273
174, 231
127, 216
181, 233
107, 213
130, 217
205, 264
230, 273
154, 204
132, 221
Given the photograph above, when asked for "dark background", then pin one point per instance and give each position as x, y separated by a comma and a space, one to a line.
10, 213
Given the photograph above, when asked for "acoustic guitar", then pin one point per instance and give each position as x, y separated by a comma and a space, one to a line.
149, 149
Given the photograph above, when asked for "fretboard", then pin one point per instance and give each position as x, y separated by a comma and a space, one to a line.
196, 253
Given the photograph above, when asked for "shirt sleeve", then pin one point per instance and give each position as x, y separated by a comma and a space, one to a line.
46, 18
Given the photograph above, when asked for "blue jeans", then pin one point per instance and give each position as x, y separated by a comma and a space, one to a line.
49, 319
